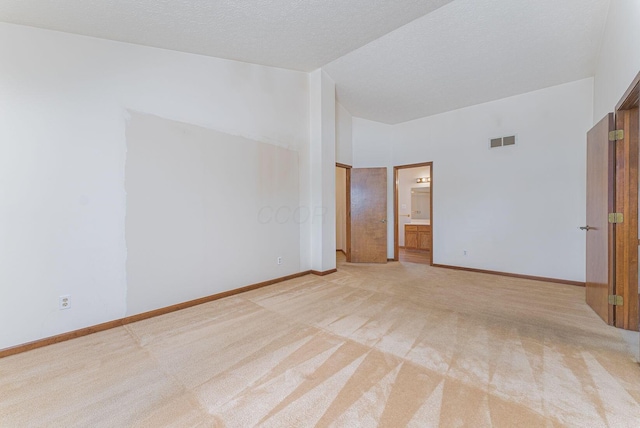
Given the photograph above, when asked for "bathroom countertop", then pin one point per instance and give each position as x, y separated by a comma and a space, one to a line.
422, 222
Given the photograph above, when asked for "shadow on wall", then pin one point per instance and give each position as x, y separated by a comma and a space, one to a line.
194, 199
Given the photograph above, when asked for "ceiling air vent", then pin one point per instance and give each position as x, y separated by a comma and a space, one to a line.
502, 141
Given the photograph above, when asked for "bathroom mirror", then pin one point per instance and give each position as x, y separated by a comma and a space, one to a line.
420, 200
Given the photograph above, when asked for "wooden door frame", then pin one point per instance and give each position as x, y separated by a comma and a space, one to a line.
347, 208
626, 236
396, 169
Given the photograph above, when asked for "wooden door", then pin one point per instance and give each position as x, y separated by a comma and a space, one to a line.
369, 215
601, 158
627, 186
626, 234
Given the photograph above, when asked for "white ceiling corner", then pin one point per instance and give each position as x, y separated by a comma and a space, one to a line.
392, 60
470, 52
295, 34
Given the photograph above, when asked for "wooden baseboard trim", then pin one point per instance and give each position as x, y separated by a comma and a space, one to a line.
513, 275
391, 260
18, 349
323, 273
342, 165
139, 317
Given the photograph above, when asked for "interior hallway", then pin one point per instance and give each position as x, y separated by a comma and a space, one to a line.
389, 345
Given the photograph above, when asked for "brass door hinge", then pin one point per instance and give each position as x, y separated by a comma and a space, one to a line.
616, 218
616, 300
616, 135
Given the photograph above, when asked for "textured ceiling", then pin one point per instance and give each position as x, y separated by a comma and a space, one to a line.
469, 52
392, 60
295, 34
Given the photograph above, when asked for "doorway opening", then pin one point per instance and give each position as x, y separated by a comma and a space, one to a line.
343, 212
413, 209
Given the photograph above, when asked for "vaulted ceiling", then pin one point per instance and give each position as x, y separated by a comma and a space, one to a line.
392, 60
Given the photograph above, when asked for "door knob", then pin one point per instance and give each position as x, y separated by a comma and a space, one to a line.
384, 220
586, 228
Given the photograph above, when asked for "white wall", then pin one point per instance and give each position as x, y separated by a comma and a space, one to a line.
322, 143
63, 102
344, 139
619, 60
514, 209
202, 207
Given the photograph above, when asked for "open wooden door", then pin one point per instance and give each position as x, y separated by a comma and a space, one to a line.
612, 206
601, 158
369, 215
627, 238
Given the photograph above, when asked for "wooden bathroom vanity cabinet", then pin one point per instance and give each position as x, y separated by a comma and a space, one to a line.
417, 237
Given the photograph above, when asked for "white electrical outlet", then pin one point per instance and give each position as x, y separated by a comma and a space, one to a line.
64, 301
464, 252
279, 260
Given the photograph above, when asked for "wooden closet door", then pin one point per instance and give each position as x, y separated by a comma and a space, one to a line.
369, 215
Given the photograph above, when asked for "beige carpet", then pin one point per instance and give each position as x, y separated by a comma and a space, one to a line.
392, 345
